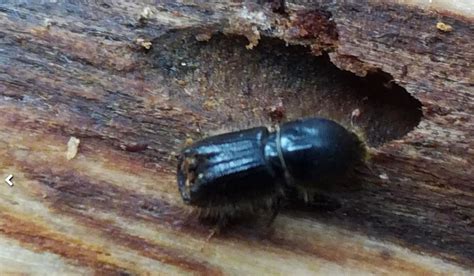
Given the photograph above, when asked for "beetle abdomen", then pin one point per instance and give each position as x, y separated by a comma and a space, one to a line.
226, 169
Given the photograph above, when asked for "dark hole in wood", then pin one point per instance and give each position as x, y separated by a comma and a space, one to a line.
238, 88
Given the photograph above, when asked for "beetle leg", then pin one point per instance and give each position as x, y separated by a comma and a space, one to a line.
276, 206
214, 231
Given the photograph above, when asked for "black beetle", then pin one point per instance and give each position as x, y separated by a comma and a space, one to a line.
251, 169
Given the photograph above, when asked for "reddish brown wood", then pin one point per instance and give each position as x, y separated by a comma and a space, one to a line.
135, 82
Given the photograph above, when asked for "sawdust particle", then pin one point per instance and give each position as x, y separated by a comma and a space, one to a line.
72, 148
444, 27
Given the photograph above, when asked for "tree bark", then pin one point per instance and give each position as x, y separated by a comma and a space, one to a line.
134, 82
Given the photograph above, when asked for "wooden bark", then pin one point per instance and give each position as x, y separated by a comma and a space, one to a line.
134, 81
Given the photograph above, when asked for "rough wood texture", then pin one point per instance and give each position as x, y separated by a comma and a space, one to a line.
85, 70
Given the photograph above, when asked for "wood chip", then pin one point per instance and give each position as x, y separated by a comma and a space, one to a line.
444, 27
72, 147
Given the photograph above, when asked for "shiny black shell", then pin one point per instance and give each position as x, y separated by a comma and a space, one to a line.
226, 169
318, 151
254, 164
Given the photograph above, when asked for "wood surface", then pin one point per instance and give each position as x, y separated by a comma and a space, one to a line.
134, 81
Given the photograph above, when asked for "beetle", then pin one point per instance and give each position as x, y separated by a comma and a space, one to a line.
249, 170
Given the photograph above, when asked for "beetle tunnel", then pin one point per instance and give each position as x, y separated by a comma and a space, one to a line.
238, 88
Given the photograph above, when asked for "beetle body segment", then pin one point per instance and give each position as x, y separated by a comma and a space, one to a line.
226, 169
318, 151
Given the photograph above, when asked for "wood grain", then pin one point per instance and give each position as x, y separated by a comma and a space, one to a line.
84, 70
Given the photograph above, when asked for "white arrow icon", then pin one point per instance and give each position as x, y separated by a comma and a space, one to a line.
9, 180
